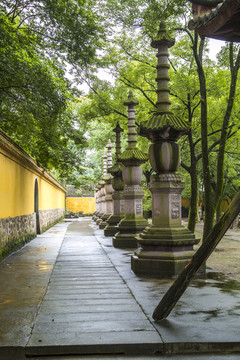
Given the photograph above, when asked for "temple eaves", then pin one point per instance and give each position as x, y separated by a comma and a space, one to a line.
216, 19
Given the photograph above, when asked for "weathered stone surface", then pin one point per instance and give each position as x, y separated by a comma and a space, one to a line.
49, 217
196, 326
101, 313
166, 247
14, 232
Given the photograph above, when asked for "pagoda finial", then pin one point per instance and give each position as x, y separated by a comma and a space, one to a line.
162, 37
131, 100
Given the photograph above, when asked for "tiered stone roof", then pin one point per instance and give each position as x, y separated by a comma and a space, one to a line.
165, 126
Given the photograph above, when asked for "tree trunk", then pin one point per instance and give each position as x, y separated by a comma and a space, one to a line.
193, 213
209, 214
222, 145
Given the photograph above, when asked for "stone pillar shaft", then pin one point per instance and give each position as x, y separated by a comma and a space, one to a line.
132, 134
163, 103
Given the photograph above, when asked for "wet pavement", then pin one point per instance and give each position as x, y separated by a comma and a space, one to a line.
68, 294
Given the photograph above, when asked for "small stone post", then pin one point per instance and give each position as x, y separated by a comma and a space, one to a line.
118, 186
166, 247
131, 158
108, 189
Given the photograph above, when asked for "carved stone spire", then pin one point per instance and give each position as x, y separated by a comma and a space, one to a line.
104, 165
132, 134
118, 131
109, 154
132, 155
163, 124
162, 42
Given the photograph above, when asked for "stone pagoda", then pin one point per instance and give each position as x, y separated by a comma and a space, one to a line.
108, 189
133, 222
102, 192
118, 185
96, 212
165, 246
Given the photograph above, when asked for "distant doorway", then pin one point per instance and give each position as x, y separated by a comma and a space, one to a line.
36, 206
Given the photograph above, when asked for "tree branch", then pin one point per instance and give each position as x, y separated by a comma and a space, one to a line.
129, 83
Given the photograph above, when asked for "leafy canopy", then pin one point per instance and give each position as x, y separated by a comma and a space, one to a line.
38, 41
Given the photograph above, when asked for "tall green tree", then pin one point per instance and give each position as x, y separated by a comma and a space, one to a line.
38, 41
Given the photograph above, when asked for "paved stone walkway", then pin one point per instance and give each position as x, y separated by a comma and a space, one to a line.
88, 305
70, 292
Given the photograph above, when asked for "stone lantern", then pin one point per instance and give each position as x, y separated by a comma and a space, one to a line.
133, 222
118, 186
165, 246
108, 189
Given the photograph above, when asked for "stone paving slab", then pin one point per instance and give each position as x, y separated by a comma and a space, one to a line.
88, 326
80, 317
89, 321
207, 317
73, 293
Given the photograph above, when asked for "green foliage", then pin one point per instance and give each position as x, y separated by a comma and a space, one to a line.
147, 200
37, 39
68, 29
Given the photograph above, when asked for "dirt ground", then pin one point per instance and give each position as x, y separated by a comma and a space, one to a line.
226, 257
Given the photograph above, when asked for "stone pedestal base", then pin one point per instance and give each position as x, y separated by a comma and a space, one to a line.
163, 252
112, 228
159, 268
104, 222
127, 231
133, 222
95, 216
165, 247
99, 219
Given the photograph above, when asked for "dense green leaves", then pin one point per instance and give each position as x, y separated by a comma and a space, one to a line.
38, 40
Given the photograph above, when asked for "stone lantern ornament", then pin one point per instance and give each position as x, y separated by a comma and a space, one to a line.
165, 246
131, 159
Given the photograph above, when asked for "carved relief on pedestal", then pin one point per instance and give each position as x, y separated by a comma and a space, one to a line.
138, 207
175, 208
